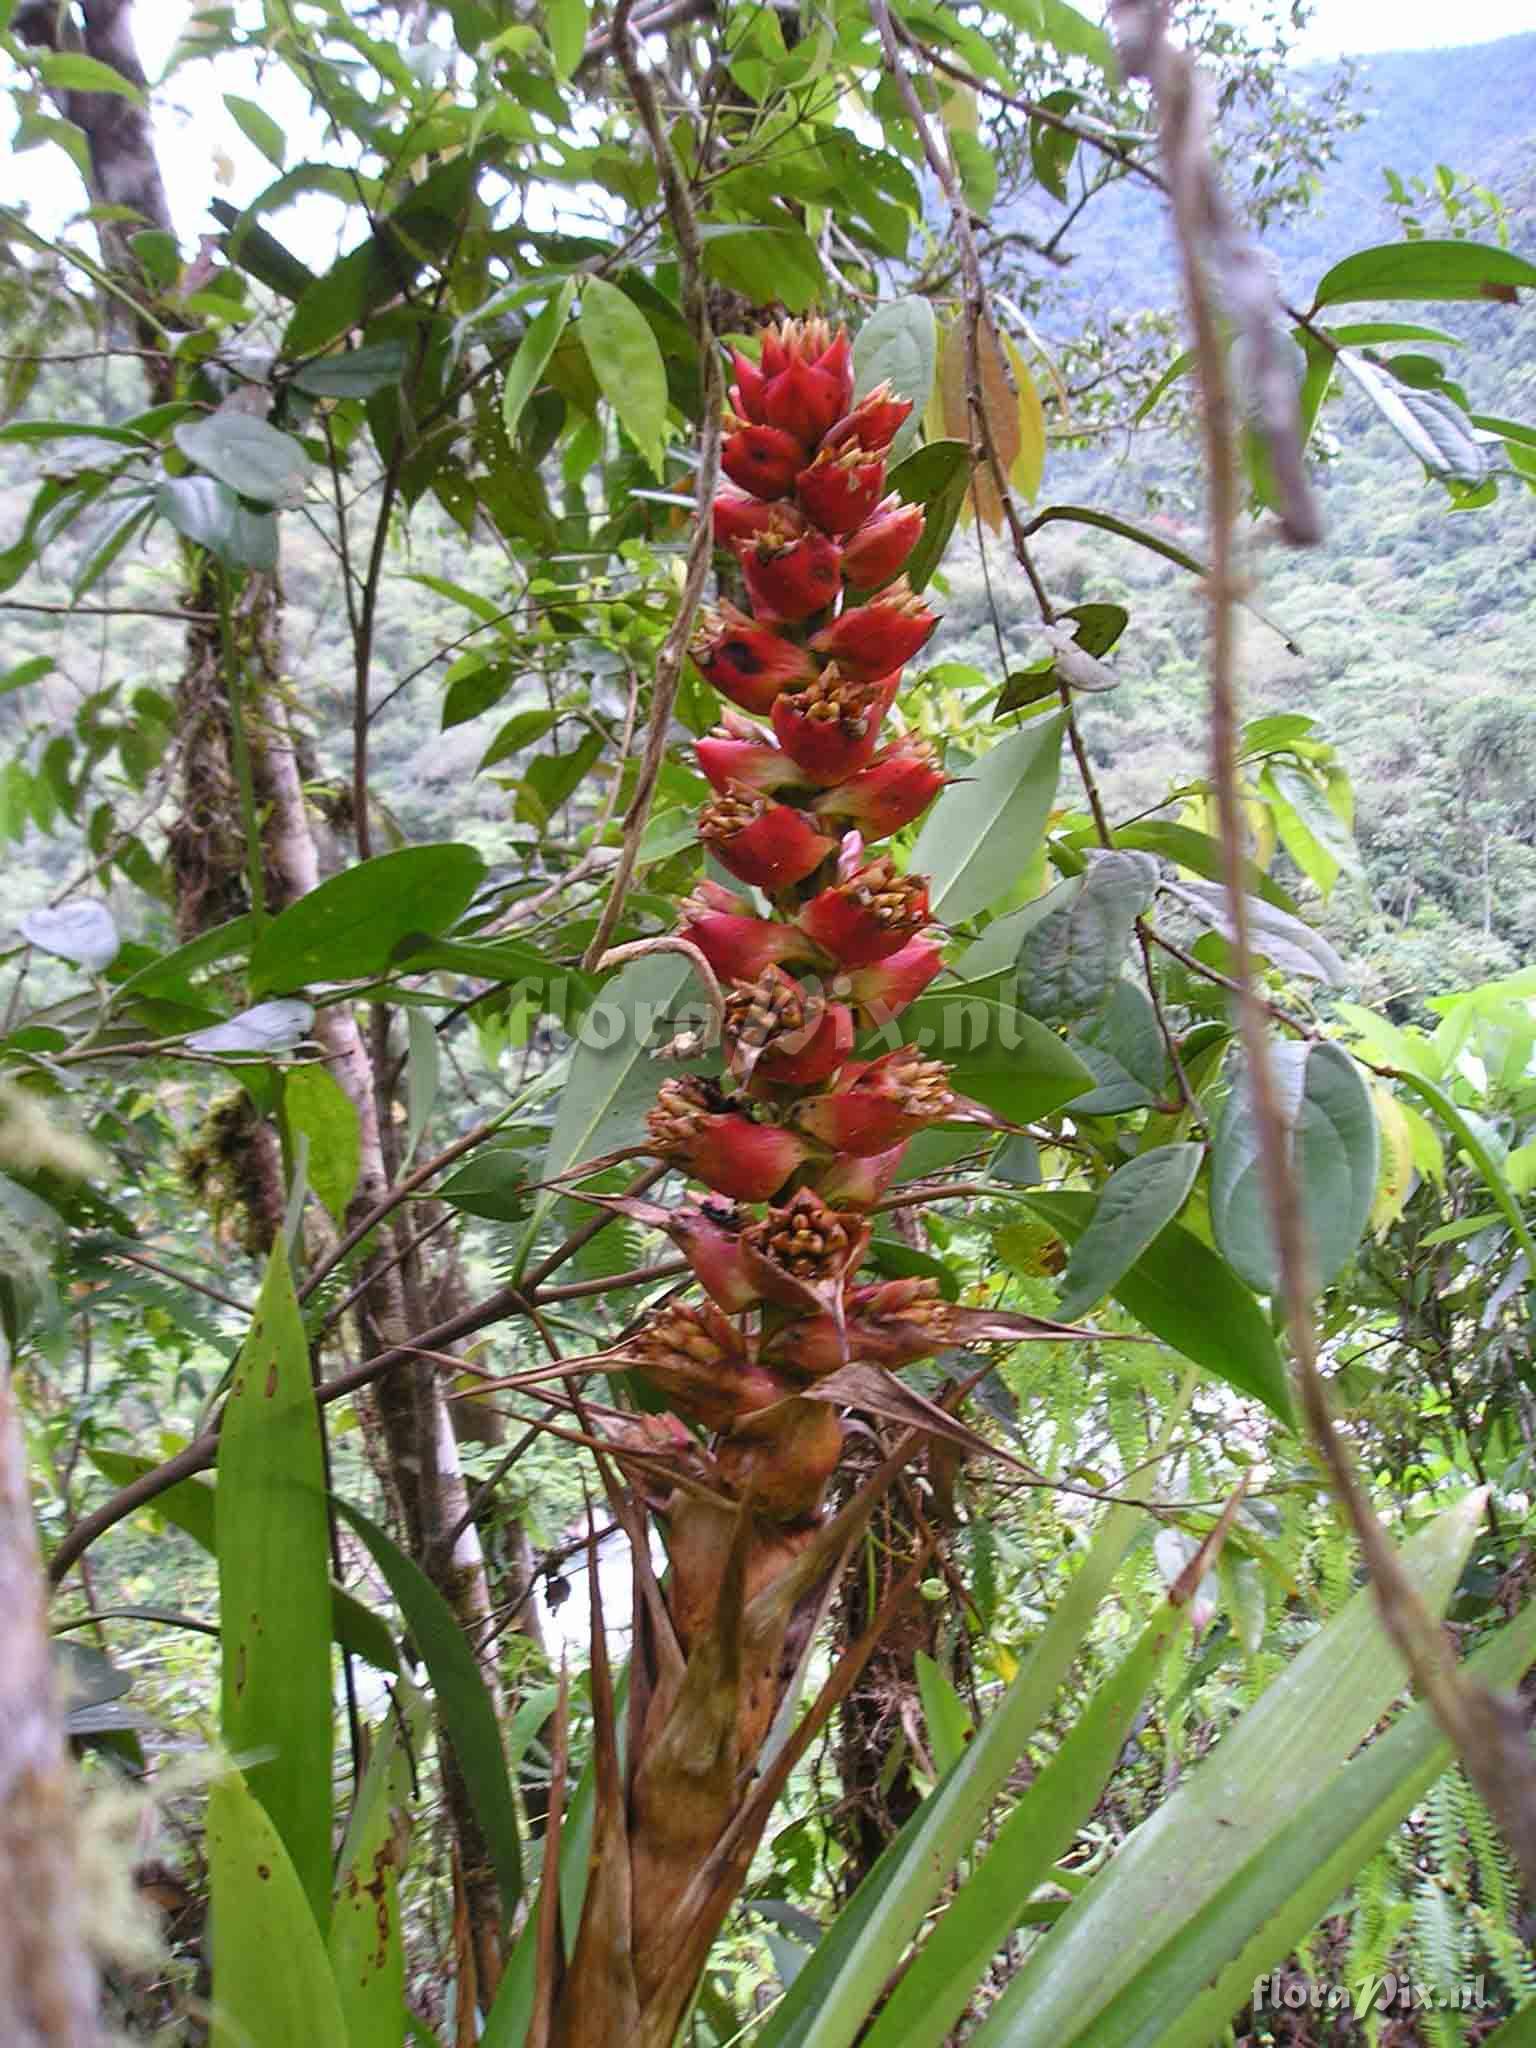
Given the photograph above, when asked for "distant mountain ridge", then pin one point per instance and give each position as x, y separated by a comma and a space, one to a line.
1473, 108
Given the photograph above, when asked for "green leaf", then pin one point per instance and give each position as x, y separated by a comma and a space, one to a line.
1015, 1066
1183, 1293
519, 732
944, 1713
1291, 945
932, 1994
461, 1698
355, 373
494, 1184
272, 1980
274, 1583
612, 1080
1261, 1915
340, 300
248, 455
565, 23
366, 1951
317, 1105
1051, 149
934, 476
829, 2004
211, 516
627, 364
766, 262
1074, 35
1334, 1150
258, 128
1432, 425
1198, 852
73, 71
1134, 1206
1426, 270
981, 835
1127, 1055
1070, 961
354, 922
526, 370
977, 168
191, 1506
131, 516
899, 345
1465, 1128
1225, 1812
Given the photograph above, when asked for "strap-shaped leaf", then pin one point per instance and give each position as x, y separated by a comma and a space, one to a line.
275, 1583
1227, 1812
272, 1980
461, 1697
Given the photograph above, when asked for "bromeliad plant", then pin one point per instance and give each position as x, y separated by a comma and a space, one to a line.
795, 1144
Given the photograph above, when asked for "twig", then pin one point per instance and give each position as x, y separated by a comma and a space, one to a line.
138, 1258
109, 611
669, 662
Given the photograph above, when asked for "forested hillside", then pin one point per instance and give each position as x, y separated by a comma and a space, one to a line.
713, 902
1412, 624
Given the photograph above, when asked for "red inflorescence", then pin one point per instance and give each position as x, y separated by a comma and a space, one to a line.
835, 944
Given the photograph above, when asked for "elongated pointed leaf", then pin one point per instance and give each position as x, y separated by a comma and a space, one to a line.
830, 2001
318, 1105
996, 1053
527, 367
272, 1980
352, 924
1230, 1809
192, 1505
1134, 1206
365, 1947
899, 345
1192, 1299
1204, 1975
1070, 961
981, 835
461, 1698
626, 361
275, 1583
1426, 270
935, 1990
613, 1079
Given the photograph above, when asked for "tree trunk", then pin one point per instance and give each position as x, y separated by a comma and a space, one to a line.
47, 1980
207, 852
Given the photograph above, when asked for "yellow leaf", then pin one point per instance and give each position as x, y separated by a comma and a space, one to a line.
1394, 1181
1028, 465
999, 403
957, 109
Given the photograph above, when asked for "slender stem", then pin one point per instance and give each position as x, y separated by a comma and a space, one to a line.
240, 756
674, 648
108, 611
1489, 1733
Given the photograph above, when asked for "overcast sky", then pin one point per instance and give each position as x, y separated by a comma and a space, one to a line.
205, 154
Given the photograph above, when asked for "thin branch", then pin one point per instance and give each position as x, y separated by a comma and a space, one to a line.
109, 611
669, 662
1488, 1732
138, 1258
